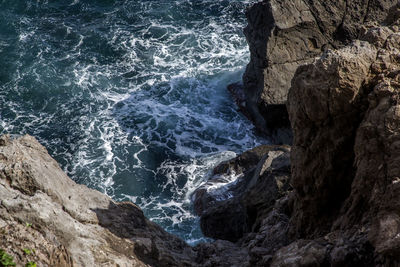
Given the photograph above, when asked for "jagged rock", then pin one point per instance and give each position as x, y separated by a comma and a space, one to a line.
229, 178
345, 113
336, 249
377, 155
271, 234
344, 209
326, 103
282, 35
66, 224
229, 210
301, 253
221, 253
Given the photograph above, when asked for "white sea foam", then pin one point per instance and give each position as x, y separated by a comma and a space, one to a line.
133, 101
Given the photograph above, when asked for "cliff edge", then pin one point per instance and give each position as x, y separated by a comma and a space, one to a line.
282, 35
47, 218
338, 205
332, 199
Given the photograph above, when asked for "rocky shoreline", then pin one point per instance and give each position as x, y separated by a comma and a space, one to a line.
329, 68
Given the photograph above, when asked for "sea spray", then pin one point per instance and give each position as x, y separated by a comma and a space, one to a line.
129, 96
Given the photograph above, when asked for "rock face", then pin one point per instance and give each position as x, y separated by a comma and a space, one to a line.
344, 109
326, 105
345, 113
330, 200
242, 191
246, 201
282, 35
65, 224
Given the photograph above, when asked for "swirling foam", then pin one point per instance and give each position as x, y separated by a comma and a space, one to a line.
129, 96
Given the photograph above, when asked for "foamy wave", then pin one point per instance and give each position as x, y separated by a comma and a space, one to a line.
130, 96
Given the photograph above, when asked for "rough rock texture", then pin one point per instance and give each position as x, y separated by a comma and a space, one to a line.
241, 193
344, 208
345, 113
326, 105
65, 224
339, 205
221, 253
282, 35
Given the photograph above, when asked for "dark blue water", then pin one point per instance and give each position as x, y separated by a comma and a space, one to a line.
128, 96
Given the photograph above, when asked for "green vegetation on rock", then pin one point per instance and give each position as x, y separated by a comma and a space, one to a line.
27, 251
30, 264
6, 259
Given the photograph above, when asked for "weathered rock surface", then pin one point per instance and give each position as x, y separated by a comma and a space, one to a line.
66, 224
343, 210
239, 196
282, 35
345, 113
326, 105
339, 205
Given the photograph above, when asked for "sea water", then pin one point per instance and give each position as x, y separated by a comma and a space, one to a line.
128, 96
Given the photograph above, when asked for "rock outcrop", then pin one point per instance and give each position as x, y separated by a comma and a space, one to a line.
344, 109
332, 199
246, 201
282, 35
46, 218
345, 114
242, 191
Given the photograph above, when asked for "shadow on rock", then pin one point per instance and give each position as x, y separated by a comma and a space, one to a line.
151, 244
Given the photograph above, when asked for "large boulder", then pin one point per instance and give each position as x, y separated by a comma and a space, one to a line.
242, 191
47, 218
282, 35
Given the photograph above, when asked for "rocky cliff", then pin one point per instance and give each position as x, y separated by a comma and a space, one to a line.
344, 110
282, 35
48, 219
338, 206
329, 200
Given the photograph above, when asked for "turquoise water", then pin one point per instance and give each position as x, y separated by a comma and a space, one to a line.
128, 96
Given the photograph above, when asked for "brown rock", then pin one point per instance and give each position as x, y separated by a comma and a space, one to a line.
65, 224
229, 210
282, 35
326, 103
345, 113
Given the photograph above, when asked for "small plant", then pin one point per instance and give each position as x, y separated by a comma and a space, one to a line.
30, 264
28, 224
27, 251
6, 259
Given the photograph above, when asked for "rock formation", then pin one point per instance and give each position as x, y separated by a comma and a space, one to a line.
345, 113
344, 109
282, 35
230, 208
62, 223
332, 199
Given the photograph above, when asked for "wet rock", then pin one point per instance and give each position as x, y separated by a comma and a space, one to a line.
228, 211
230, 178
